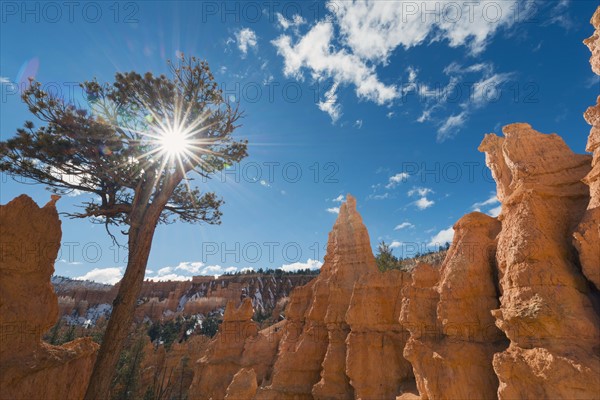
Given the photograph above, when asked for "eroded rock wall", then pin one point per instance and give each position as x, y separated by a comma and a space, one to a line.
31, 369
448, 313
587, 236
545, 309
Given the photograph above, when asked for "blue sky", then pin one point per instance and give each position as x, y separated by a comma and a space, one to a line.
386, 100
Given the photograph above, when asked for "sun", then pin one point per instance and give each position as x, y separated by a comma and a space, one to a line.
173, 142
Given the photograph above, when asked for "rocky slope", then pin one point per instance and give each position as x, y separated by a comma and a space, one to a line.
82, 302
32, 369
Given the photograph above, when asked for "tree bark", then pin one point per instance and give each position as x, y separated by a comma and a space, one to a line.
123, 309
143, 220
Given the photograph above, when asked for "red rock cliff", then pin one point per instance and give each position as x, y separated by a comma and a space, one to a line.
31, 369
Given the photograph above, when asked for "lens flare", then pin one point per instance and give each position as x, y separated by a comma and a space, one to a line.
173, 143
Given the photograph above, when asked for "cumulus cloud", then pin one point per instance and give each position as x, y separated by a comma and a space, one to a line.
246, 39
395, 244
316, 52
333, 210
193, 267
396, 179
422, 203
109, 276
310, 264
358, 36
339, 199
442, 237
403, 225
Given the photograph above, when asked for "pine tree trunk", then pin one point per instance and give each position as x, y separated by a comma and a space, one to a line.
140, 243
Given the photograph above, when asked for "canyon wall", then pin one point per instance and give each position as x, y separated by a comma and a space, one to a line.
83, 302
31, 369
587, 236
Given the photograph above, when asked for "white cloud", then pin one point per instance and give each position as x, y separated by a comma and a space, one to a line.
285, 23
560, 15
424, 203
358, 123
316, 52
373, 29
109, 276
395, 244
494, 212
404, 225
421, 191
492, 200
333, 210
193, 267
330, 105
246, 39
396, 179
5, 80
487, 90
187, 270
379, 196
390, 114
339, 199
358, 36
310, 264
165, 271
451, 125
442, 237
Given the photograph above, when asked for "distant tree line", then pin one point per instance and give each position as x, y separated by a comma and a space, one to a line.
386, 259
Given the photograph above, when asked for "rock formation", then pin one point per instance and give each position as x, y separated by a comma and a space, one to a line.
545, 309
587, 236
374, 361
223, 359
340, 338
31, 369
243, 386
453, 336
81, 302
